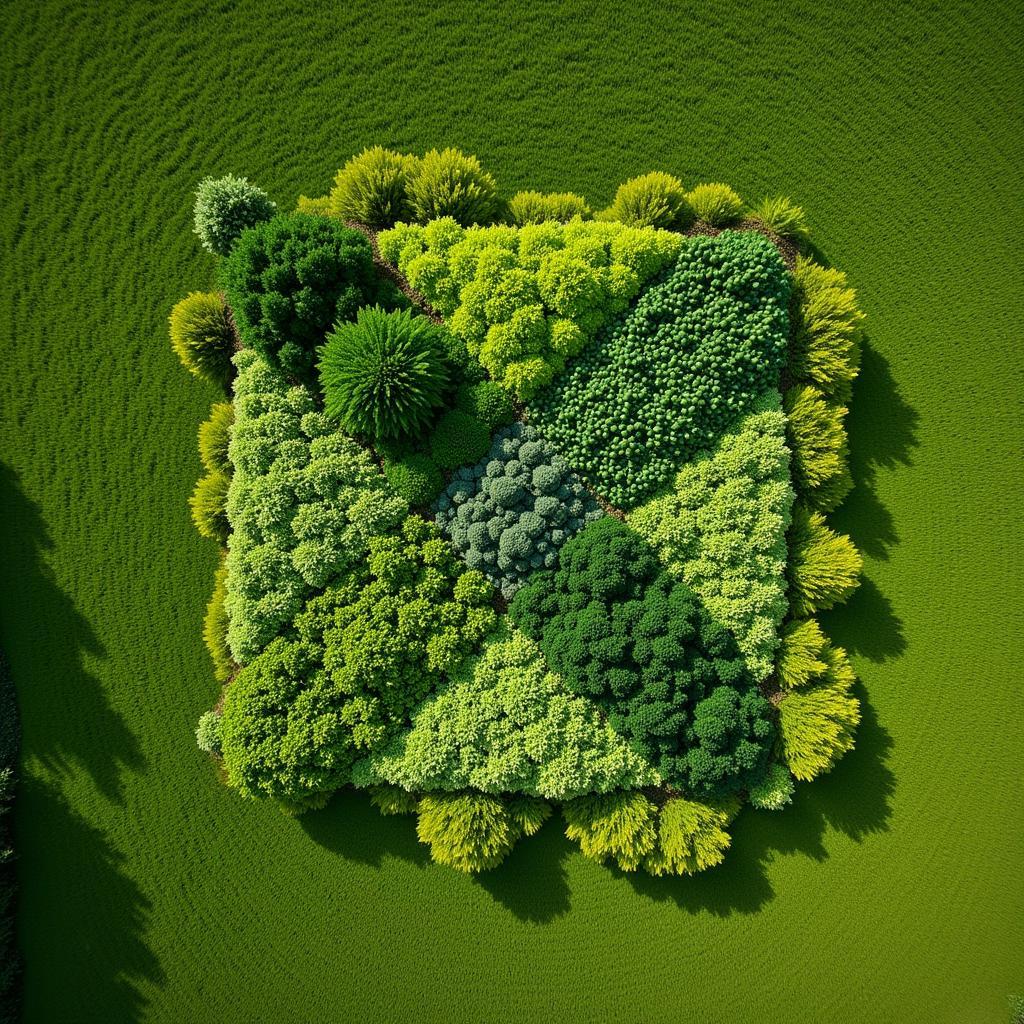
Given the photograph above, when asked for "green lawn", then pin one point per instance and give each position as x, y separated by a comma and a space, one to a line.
891, 891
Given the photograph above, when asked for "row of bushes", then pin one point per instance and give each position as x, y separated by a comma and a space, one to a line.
694, 352
525, 300
722, 530
509, 514
622, 631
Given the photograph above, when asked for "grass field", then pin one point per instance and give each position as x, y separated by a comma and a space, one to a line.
891, 891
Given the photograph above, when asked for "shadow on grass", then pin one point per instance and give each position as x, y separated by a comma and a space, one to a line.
46, 639
82, 933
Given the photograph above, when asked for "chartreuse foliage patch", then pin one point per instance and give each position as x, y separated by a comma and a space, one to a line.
552, 533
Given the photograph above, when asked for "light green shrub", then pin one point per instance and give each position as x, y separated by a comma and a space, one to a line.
715, 204
691, 836
817, 439
816, 727
202, 337
208, 732
393, 800
654, 200
824, 566
318, 206
224, 208
783, 217
470, 832
800, 653
449, 183
620, 825
209, 506
215, 628
214, 437
775, 792
537, 207
373, 188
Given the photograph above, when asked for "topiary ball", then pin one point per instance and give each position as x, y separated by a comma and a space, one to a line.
415, 478
224, 208
383, 375
488, 402
208, 732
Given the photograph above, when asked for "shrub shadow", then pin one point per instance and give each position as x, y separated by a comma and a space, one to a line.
46, 639
85, 926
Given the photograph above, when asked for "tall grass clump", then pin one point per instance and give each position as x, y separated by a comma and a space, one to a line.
653, 200
715, 204
785, 218
373, 188
450, 183
537, 207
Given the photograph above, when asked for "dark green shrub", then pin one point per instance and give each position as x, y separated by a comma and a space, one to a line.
715, 204
224, 208
208, 736
373, 188
537, 207
697, 350
458, 439
774, 791
290, 279
201, 335
488, 402
384, 375
469, 831
654, 200
209, 506
509, 514
450, 183
215, 436
783, 217
415, 478
620, 630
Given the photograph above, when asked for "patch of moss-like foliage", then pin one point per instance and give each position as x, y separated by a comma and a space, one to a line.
696, 350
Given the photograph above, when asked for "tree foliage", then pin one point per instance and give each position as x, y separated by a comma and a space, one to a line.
697, 349
722, 530
224, 208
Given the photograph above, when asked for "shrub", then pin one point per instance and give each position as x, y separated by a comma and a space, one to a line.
458, 439
208, 732
697, 349
824, 566
488, 402
620, 630
393, 800
801, 645
511, 512
202, 337
775, 791
384, 375
373, 188
525, 300
414, 478
303, 504
816, 727
817, 438
691, 837
618, 825
536, 207
654, 200
318, 206
825, 349
715, 204
209, 506
224, 208
722, 531
290, 279
528, 814
783, 217
469, 831
215, 628
451, 184
506, 723
214, 437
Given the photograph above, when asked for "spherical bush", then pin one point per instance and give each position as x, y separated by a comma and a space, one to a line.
415, 478
654, 200
458, 439
202, 337
715, 204
224, 208
208, 732
383, 375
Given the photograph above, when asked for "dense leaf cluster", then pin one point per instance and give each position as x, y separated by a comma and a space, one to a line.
526, 300
621, 630
722, 530
509, 514
303, 504
224, 208
506, 723
360, 657
695, 351
290, 279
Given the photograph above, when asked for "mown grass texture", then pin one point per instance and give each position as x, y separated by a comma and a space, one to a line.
891, 889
